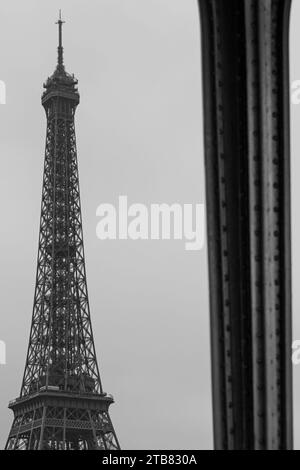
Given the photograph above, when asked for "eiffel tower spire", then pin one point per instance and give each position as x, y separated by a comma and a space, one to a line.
60, 58
62, 405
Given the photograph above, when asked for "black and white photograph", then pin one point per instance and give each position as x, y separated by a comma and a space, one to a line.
150, 307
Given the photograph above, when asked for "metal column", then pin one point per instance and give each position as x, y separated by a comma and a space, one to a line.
245, 47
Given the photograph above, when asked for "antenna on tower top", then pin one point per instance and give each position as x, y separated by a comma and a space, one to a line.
60, 22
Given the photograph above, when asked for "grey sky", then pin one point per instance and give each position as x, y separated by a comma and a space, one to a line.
139, 133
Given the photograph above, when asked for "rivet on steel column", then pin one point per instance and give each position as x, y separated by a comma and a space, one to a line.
245, 57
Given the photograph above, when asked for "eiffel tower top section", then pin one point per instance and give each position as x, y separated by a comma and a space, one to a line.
60, 83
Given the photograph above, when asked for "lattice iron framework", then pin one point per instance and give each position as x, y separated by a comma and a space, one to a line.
62, 405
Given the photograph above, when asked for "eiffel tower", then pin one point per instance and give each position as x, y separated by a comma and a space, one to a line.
62, 405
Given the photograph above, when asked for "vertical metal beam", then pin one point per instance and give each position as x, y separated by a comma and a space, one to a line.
247, 158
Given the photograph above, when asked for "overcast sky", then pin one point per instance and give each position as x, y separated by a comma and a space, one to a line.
139, 133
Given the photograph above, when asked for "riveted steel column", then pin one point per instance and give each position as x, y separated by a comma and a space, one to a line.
246, 106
